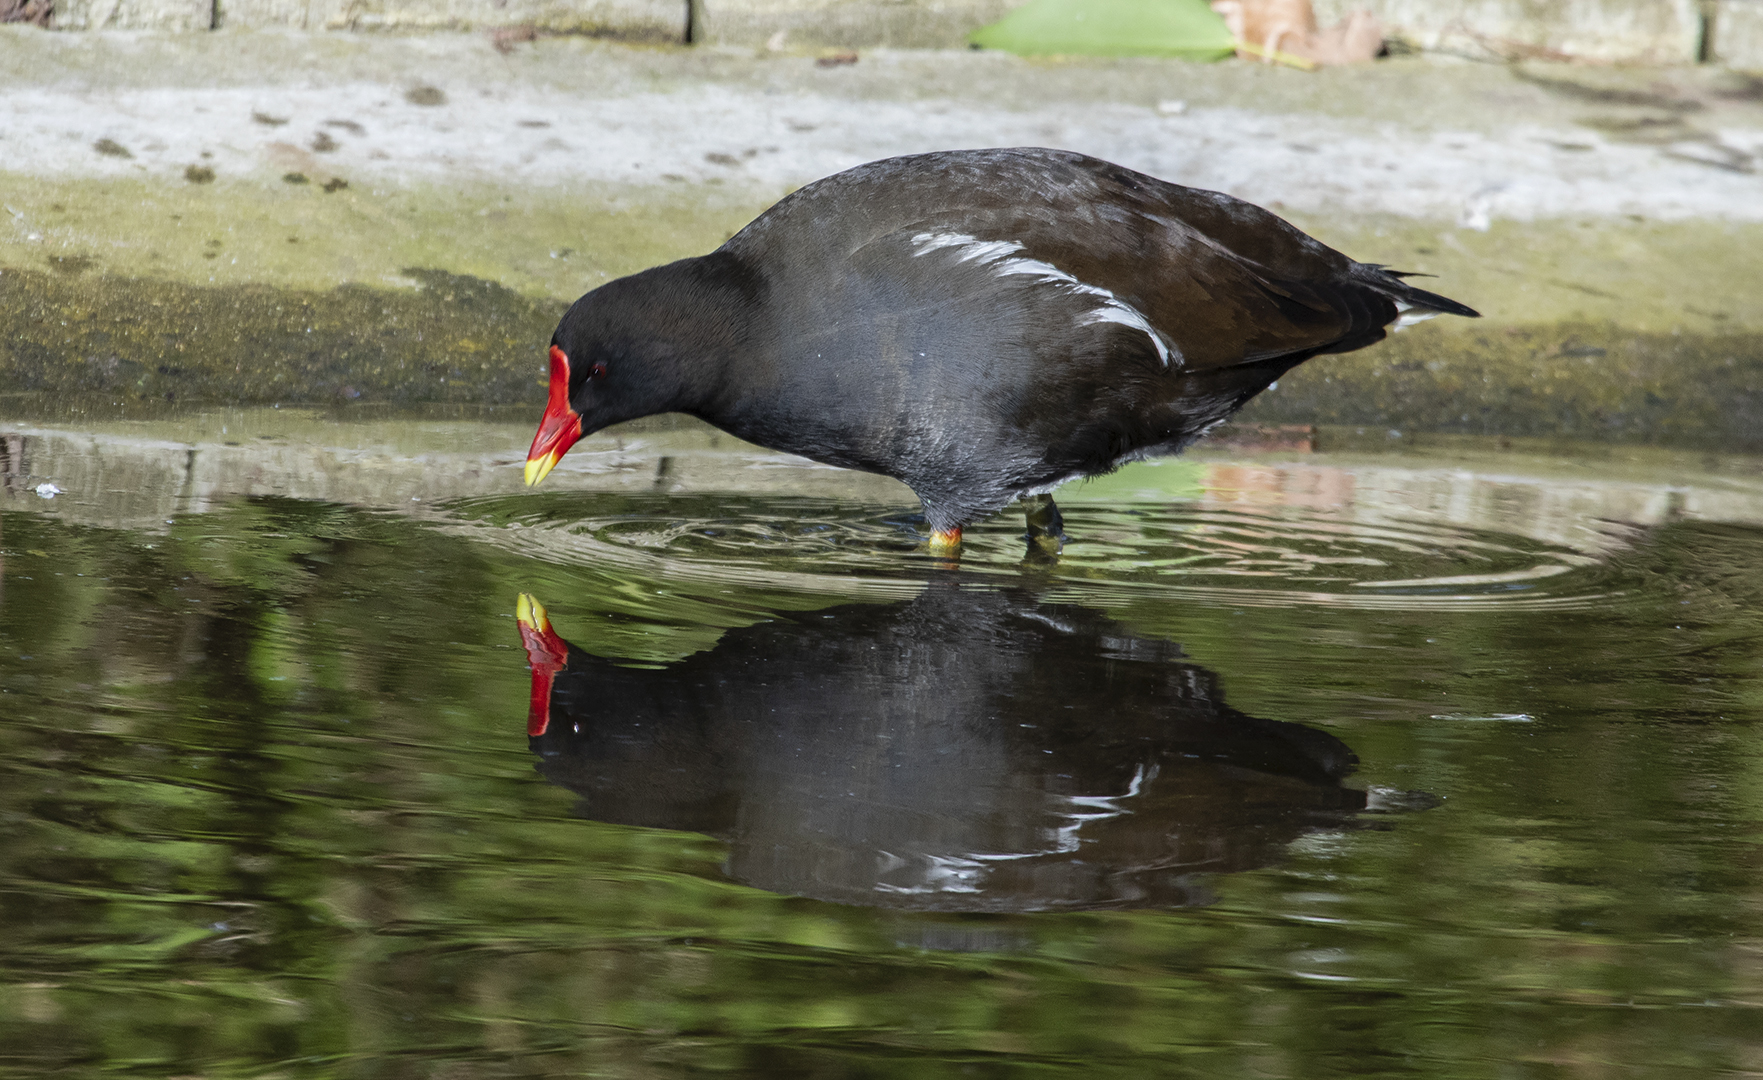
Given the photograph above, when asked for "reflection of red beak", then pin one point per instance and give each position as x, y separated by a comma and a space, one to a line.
560, 427
547, 654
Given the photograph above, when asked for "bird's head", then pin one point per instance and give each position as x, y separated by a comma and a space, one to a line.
628, 349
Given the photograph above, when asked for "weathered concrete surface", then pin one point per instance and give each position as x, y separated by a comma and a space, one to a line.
1628, 31
1468, 147
897, 24
173, 15
1737, 37
136, 475
457, 340
175, 206
1644, 31
1579, 380
1469, 142
630, 20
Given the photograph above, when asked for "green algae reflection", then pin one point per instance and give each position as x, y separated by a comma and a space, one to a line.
267, 809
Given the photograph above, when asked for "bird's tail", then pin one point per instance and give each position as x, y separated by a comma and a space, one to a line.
1412, 305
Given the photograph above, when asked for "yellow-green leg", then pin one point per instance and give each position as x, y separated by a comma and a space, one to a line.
1046, 528
946, 543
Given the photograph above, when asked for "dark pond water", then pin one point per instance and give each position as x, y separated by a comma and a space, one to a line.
1296, 768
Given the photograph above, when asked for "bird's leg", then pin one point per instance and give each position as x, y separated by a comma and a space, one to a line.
945, 543
1046, 528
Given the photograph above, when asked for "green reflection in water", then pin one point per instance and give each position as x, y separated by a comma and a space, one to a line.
266, 809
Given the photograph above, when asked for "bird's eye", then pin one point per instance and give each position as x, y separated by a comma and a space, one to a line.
598, 371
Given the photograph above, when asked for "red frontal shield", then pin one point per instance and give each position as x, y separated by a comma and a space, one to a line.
560, 427
546, 655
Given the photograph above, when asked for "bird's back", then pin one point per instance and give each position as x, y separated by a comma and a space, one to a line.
983, 323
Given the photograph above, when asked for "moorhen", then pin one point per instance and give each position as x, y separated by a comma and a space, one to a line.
969, 749
983, 325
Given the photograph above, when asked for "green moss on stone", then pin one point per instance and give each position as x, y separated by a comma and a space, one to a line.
1575, 380
104, 339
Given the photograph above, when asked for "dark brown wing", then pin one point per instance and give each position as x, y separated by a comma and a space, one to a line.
1225, 282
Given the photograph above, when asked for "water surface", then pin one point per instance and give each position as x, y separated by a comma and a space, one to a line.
1294, 765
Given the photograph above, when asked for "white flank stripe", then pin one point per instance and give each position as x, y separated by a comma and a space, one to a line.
929, 242
984, 251
994, 253
1126, 315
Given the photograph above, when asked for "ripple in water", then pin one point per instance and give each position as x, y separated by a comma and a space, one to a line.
1225, 553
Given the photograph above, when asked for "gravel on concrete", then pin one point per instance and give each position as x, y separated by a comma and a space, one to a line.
452, 110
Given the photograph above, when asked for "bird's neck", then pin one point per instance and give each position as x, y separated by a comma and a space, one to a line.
706, 326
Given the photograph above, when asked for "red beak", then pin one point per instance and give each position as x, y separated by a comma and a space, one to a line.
546, 654
560, 427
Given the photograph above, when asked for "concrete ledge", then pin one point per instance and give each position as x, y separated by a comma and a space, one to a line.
1631, 31
144, 475
177, 204
175, 15
900, 24
1647, 31
636, 20
1577, 381
629, 20
1737, 37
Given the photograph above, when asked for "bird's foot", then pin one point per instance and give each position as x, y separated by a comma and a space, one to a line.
1046, 528
946, 543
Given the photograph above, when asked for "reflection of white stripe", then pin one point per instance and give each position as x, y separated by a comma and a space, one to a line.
1533, 573
967, 873
1065, 838
1107, 802
941, 874
995, 253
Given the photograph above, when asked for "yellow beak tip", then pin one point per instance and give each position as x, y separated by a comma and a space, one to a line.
538, 468
531, 613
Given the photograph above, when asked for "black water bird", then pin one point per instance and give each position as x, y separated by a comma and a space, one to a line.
968, 750
983, 325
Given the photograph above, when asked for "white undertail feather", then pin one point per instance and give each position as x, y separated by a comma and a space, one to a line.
996, 254
1407, 315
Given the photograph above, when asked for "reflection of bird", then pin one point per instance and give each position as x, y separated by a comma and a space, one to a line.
966, 750
981, 324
